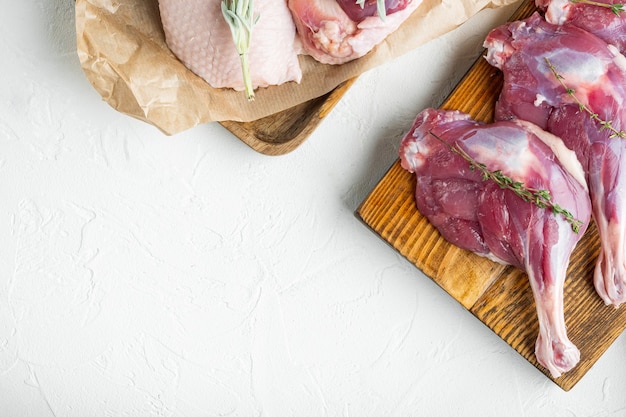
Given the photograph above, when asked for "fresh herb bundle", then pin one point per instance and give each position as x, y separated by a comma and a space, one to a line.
240, 18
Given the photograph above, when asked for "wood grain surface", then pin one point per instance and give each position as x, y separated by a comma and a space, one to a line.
497, 295
282, 132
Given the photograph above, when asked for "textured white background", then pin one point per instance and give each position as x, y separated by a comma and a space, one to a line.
145, 275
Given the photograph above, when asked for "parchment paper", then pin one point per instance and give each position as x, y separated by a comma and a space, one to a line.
122, 50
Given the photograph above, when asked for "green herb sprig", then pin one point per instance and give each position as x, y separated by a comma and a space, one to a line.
381, 9
616, 8
604, 124
540, 198
240, 18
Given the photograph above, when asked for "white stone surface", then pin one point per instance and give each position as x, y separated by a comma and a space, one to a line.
189, 276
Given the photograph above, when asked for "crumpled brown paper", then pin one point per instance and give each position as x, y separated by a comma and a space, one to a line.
122, 50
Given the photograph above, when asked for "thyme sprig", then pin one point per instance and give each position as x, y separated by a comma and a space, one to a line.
616, 8
604, 124
240, 18
539, 197
381, 9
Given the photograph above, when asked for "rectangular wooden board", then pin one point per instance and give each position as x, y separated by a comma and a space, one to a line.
497, 295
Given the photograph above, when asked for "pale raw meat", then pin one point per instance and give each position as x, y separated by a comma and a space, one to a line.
331, 37
597, 74
479, 216
196, 32
600, 21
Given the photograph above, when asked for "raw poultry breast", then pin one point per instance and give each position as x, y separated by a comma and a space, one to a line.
196, 32
480, 216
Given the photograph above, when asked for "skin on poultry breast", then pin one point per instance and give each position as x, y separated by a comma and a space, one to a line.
196, 32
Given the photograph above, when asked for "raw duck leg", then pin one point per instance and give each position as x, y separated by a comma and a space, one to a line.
599, 20
196, 32
597, 74
331, 36
480, 216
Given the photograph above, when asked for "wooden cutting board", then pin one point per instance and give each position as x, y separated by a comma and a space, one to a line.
498, 296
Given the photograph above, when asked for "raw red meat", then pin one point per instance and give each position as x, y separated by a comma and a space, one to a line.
486, 219
596, 73
330, 36
369, 8
599, 20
